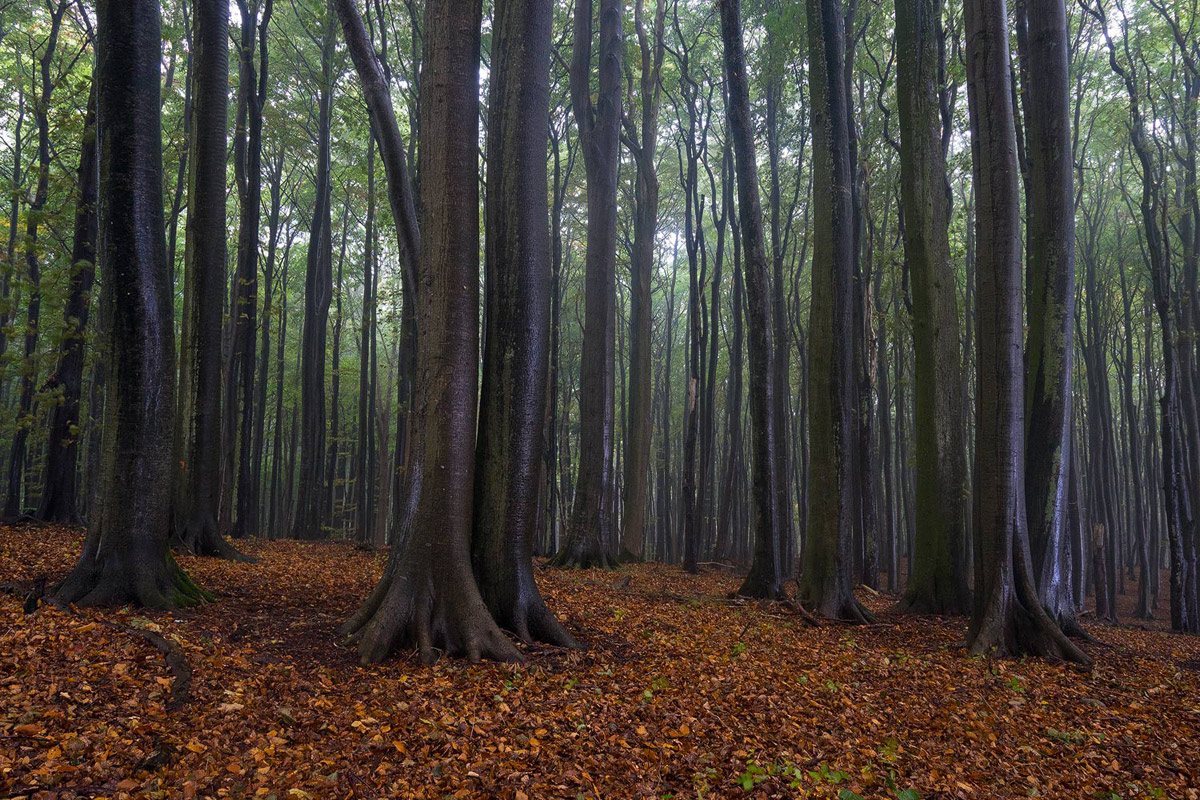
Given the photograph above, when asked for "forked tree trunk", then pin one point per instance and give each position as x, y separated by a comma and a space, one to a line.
1008, 618
516, 357
589, 537
60, 490
309, 521
126, 558
826, 584
766, 571
427, 598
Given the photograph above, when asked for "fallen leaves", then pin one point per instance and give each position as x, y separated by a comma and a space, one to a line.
681, 693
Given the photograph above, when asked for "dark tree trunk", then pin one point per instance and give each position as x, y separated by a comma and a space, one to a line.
937, 584
310, 508
126, 558
252, 88
194, 525
60, 502
766, 571
1008, 618
516, 357
427, 598
826, 584
723, 550
364, 462
589, 537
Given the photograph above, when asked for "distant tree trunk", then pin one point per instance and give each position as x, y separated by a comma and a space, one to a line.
13, 222
310, 509
126, 558
260, 405
252, 91
364, 461
637, 438
14, 503
1008, 618
766, 571
195, 528
723, 550
938, 584
826, 584
427, 598
60, 490
332, 510
516, 357
589, 536
276, 520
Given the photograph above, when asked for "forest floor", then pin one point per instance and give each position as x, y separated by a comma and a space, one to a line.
682, 693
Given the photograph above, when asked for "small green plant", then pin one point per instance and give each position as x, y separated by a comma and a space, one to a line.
738, 649
753, 776
1015, 684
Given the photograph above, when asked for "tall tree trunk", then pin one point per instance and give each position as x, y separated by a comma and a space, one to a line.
126, 558
252, 91
60, 501
195, 528
516, 357
937, 584
637, 437
310, 509
766, 571
1008, 618
427, 597
589, 536
826, 584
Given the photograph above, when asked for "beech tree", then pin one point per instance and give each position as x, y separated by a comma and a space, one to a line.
938, 582
126, 558
516, 355
826, 583
198, 435
589, 538
767, 570
1007, 616
427, 598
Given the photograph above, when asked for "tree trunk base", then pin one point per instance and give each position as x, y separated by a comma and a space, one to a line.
117, 579
423, 607
845, 609
583, 554
200, 537
1013, 631
927, 604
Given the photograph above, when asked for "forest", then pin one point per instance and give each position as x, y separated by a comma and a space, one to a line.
600, 399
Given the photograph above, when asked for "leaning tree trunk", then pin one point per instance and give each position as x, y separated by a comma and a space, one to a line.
310, 507
60, 490
126, 558
937, 584
1050, 298
827, 585
589, 534
195, 528
427, 598
516, 357
766, 571
1008, 618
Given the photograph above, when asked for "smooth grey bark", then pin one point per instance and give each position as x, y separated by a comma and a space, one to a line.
126, 558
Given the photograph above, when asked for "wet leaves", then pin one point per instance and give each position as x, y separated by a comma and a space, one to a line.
682, 693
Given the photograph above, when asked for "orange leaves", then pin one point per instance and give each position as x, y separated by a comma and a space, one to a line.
665, 701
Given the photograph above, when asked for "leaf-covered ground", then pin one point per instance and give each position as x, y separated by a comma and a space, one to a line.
682, 693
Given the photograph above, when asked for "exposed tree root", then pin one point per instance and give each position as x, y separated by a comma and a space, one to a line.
1012, 630
114, 579
200, 536
533, 623
420, 607
583, 554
